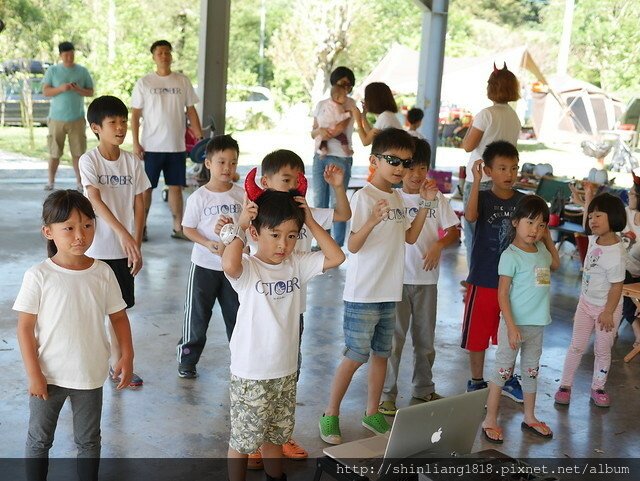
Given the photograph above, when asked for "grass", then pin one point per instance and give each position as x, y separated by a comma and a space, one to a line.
16, 139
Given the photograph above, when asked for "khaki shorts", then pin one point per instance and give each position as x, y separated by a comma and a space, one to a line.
262, 411
76, 130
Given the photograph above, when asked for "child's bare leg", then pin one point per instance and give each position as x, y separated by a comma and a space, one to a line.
493, 410
237, 465
493, 406
476, 364
341, 380
635, 325
377, 372
272, 458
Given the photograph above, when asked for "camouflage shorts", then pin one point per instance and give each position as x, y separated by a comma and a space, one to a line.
262, 411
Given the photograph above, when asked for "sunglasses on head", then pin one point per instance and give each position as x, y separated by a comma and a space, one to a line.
395, 161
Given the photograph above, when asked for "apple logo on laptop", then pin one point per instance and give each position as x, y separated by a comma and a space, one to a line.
435, 437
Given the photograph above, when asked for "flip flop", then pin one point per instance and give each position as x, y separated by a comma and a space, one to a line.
495, 430
532, 428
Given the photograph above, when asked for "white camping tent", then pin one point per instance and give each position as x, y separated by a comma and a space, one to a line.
464, 81
573, 108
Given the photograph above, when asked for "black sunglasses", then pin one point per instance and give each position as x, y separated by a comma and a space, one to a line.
395, 161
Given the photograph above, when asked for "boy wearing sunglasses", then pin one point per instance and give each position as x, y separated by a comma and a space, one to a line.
417, 310
379, 229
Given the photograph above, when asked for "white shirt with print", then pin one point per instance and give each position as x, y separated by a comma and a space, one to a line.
70, 305
202, 213
163, 100
264, 344
375, 273
118, 181
442, 217
603, 266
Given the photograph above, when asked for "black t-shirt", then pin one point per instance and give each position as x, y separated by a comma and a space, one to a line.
491, 237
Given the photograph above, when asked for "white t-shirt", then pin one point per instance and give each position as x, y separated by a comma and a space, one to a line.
163, 100
498, 122
118, 181
442, 217
603, 266
334, 147
202, 212
324, 217
416, 134
73, 346
264, 344
375, 273
631, 240
387, 119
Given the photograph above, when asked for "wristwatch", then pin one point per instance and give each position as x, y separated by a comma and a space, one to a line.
230, 232
427, 204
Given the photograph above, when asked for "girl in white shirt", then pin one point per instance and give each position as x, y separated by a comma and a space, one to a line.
378, 100
61, 331
600, 304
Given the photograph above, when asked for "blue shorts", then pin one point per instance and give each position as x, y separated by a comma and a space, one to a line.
172, 165
368, 327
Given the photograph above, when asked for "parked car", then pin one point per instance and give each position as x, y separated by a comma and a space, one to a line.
10, 110
244, 102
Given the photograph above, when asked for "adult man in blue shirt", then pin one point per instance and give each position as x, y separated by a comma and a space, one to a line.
67, 84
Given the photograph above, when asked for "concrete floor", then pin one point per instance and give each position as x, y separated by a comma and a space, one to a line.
175, 418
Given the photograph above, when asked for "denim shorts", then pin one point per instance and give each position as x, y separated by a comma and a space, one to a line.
368, 327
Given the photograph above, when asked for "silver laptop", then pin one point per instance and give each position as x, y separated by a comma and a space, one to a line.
443, 428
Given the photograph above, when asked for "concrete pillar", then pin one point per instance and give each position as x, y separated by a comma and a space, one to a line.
213, 61
434, 30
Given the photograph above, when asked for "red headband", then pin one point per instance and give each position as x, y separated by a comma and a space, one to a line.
636, 179
254, 191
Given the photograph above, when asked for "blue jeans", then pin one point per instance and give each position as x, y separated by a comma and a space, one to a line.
368, 327
323, 193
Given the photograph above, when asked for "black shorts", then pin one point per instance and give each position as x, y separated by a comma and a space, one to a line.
125, 279
172, 165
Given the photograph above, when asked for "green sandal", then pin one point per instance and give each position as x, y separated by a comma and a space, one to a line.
376, 423
388, 408
330, 429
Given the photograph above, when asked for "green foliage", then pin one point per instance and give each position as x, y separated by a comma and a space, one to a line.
306, 39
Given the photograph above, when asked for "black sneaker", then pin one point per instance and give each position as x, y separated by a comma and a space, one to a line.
187, 373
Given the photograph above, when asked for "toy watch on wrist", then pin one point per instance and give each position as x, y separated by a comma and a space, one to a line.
230, 232
427, 204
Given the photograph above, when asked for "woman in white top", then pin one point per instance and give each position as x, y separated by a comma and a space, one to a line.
378, 100
498, 122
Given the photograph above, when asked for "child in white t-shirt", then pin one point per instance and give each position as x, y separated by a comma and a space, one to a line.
281, 170
264, 344
219, 199
114, 181
417, 309
329, 117
414, 121
373, 286
599, 309
62, 337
